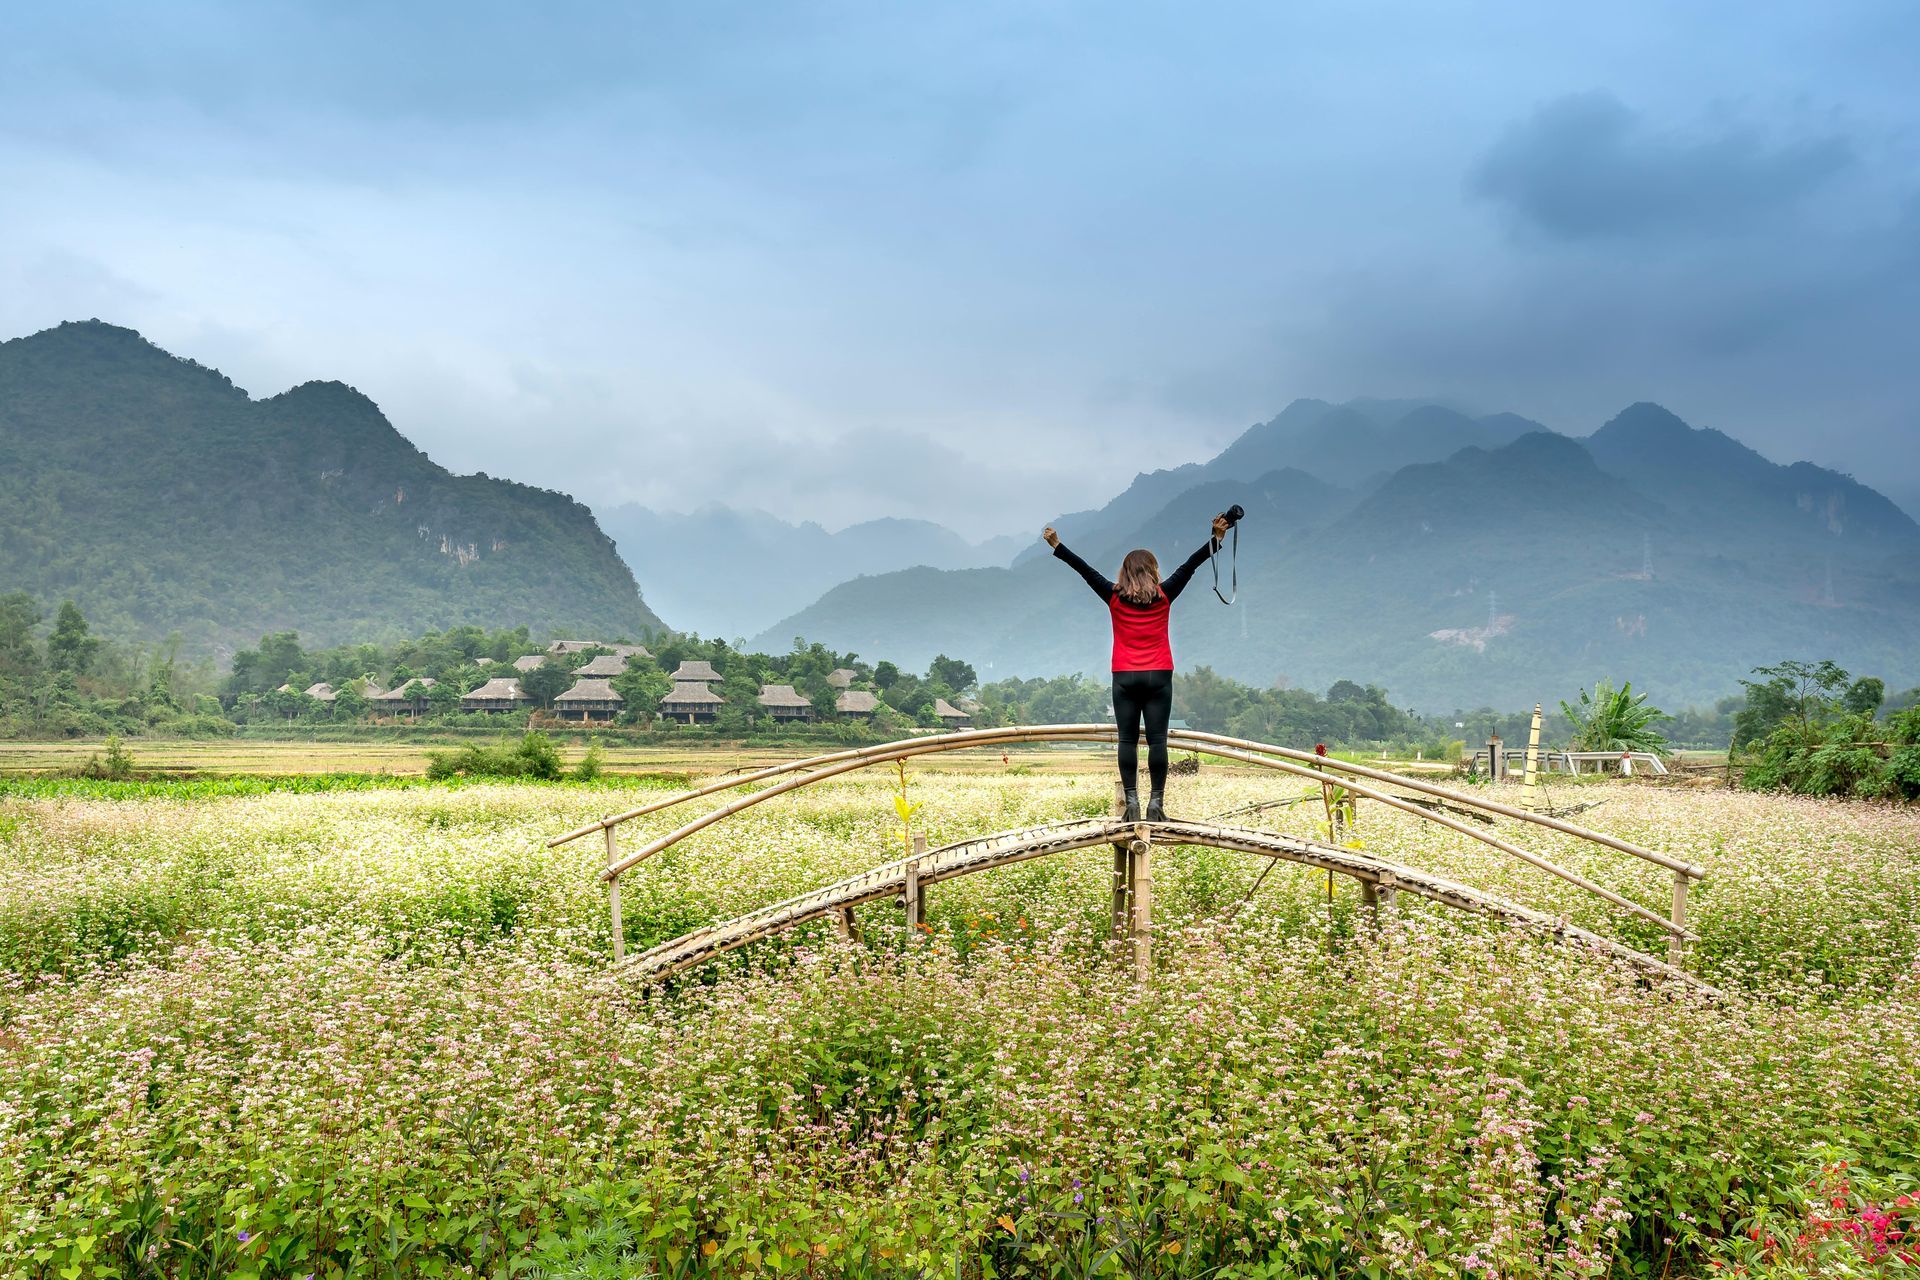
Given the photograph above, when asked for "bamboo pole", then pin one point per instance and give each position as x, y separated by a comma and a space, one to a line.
1677, 936
613, 897
1140, 855
956, 741
1532, 779
914, 898
1405, 806
1122, 867
1195, 740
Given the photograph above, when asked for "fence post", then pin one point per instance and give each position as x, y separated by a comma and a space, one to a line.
915, 902
1532, 779
1140, 854
1122, 868
613, 897
1677, 945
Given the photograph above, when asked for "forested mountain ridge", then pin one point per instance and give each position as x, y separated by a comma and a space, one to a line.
162, 498
1503, 574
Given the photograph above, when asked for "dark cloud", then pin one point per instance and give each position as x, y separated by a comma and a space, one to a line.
1587, 166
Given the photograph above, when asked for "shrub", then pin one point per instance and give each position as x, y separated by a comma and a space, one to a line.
534, 756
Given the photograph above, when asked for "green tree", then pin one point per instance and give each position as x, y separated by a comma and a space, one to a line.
547, 681
641, 687
885, 675
1800, 694
349, 704
1864, 696
956, 675
19, 615
1610, 719
71, 647
443, 698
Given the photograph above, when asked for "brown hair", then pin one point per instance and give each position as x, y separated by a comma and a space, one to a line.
1139, 582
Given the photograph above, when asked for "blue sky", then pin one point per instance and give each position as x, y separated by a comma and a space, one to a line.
980, 262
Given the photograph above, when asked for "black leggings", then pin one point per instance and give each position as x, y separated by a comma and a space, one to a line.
1139, 695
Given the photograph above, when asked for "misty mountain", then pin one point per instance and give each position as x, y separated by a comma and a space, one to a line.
161, 497
1356, 445
1504, 573
729, 573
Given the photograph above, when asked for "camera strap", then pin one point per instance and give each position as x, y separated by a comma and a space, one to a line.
1233, 567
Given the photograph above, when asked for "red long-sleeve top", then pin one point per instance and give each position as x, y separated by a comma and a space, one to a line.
1140, 640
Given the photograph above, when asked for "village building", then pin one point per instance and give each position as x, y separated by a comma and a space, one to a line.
695, 672
842, 677
410, 699
322, 692
783, 702
502, 693
604, 667
951, 716
858, 703
691, 702
588, 700
531, 662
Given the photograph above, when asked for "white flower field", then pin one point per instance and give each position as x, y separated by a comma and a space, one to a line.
365, 1033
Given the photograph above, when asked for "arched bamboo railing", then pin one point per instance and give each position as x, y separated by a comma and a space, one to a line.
906, 879
1259, 754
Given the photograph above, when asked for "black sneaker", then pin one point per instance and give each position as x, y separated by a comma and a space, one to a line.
1156, 808
1132, 813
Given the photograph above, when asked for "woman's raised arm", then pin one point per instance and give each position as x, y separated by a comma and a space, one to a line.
1101, 587
1174, 585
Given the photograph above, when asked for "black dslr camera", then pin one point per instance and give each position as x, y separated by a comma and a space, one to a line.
1232, 515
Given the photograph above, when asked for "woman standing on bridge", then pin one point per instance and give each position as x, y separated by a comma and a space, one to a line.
1142, 658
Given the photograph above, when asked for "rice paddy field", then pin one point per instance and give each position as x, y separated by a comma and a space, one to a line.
365, 1032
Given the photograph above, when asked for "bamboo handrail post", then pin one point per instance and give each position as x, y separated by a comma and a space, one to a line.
1677, 936
613, 897
1140, 856
913, 899
1122, 868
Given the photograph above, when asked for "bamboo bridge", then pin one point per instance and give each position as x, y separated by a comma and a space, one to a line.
906, 880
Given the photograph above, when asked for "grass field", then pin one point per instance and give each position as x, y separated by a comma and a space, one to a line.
270, 758
283, 758
364, 1033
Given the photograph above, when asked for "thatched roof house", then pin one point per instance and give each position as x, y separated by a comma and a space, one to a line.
784, 702
410, 696
694, 672
604, 667
856, 702
589, 699
691, 702
842, 677
322, 692
502, 693
575, 646
950, 715
531, 662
